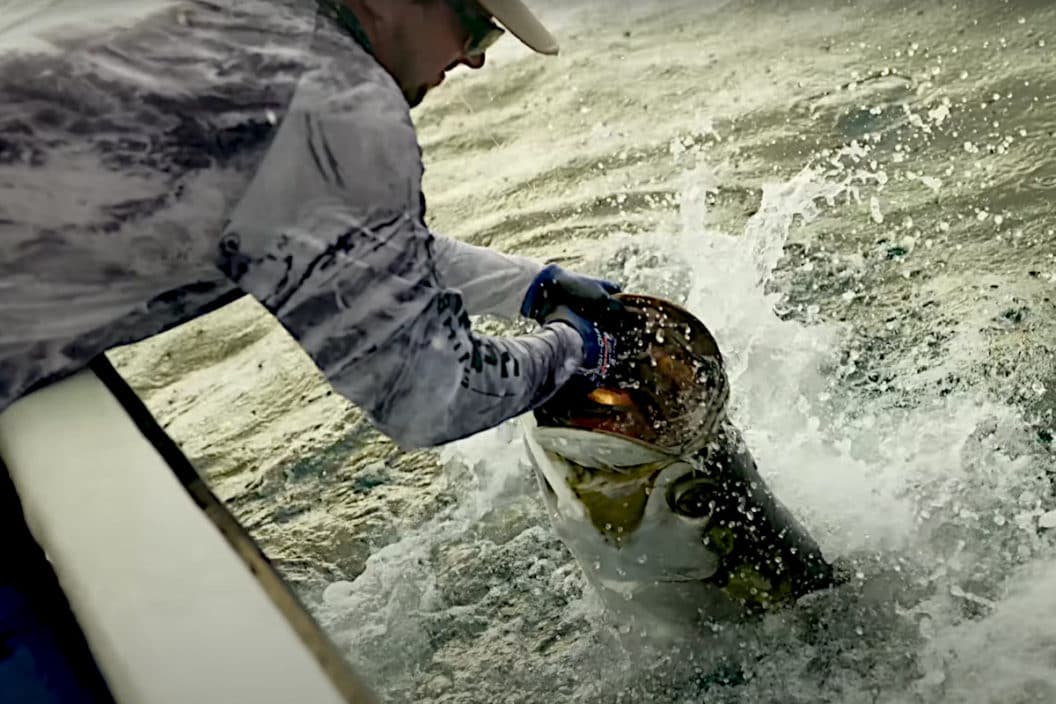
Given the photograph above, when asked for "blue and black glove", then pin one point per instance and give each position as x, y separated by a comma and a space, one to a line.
582, 302
583, 295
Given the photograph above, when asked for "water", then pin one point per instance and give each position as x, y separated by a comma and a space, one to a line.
855, 197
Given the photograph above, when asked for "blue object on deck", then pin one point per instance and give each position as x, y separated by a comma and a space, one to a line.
44, 658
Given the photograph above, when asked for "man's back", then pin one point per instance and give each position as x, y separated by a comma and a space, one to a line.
121, 155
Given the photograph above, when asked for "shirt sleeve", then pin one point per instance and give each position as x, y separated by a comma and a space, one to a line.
330, 237
490, 282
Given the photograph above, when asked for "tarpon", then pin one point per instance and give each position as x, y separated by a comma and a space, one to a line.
652, 489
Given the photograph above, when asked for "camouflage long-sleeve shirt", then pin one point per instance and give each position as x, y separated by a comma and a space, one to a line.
154, 166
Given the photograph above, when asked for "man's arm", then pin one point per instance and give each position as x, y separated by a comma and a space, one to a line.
490, 281
329, 237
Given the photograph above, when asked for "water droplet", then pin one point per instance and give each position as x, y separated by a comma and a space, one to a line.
874, 210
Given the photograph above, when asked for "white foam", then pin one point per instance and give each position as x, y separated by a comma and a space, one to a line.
29, 25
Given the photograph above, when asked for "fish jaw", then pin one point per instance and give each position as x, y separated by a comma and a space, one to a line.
657, 565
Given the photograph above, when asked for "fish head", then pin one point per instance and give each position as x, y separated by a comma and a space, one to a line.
651, 488
617, 507
607, 456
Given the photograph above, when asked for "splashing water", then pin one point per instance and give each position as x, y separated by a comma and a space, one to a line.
932, 504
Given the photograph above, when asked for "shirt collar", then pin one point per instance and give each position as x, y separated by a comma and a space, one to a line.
338, 12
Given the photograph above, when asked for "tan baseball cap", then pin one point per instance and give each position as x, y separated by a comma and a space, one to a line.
519, 21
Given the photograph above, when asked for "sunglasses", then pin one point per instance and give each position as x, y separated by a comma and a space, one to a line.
483, 32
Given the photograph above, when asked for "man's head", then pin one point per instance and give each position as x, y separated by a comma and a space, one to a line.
418, 41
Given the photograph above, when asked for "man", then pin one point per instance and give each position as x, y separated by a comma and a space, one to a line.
149, 174
155, 170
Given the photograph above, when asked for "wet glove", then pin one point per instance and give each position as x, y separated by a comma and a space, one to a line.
554, 287
599, 346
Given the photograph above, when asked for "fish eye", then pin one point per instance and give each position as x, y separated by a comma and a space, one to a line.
693, 496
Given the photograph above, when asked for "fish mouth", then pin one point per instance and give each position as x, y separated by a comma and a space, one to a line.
667, 386
596, 478
616, 503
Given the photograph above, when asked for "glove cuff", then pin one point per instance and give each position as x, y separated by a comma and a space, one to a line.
599, 347
599, 359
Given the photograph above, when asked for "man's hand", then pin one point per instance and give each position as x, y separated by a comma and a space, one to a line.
599, 346
555, 287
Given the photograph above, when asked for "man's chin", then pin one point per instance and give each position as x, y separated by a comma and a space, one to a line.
416, 96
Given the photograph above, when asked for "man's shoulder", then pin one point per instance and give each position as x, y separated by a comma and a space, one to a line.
347, 136
353, 116
354, 88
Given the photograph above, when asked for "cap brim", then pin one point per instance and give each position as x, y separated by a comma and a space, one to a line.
519, 21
